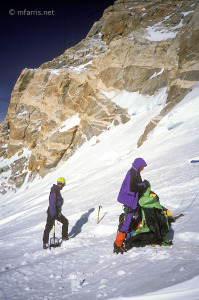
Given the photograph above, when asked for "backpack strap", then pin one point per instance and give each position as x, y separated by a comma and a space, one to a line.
54, 191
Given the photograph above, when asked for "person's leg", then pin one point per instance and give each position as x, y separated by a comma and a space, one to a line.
49, 226
65, 223
126, 223
118, 244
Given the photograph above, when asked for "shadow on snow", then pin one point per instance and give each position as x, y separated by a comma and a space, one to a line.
77, 228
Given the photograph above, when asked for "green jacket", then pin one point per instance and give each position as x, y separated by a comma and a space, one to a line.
154, 227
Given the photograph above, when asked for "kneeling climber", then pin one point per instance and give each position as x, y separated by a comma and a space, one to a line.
131, 190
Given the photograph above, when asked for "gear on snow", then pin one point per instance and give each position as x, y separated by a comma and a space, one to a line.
154, 225
144, 221
149, 225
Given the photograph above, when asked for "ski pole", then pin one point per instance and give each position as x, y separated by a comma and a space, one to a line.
54, 231
98, 213
185, 208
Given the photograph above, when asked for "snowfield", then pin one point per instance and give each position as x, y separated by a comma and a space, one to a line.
85, 266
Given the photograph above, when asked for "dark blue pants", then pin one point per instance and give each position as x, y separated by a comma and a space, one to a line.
49, 226
126, 223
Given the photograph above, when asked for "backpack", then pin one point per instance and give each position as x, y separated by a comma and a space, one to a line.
153, 227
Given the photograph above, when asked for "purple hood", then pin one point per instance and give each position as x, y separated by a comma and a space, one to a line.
139, 162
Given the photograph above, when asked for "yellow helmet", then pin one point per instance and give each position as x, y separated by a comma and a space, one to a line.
61, 180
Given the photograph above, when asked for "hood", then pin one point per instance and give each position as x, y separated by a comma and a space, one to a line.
55, 187
139, 162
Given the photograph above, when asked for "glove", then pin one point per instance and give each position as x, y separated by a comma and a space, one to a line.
147, 184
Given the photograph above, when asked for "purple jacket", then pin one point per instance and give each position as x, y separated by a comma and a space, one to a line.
132, 186
55, 201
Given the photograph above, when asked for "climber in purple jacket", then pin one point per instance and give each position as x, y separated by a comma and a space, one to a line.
54, 212
131, 190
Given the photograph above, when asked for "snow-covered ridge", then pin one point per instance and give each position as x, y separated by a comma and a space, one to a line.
78, 56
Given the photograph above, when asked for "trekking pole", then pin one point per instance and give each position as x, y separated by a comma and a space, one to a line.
98, 213
54, 231
183, 210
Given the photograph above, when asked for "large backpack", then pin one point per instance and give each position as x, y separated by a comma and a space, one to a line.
154, 225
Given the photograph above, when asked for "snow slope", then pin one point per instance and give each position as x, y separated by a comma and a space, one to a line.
85, 266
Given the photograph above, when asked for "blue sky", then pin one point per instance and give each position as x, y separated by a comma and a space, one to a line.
27, 41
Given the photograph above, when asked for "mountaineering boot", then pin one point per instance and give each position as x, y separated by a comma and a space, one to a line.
118, 244
118, 249
45, 246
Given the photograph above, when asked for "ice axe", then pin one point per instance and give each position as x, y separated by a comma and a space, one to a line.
54, 241
98, 213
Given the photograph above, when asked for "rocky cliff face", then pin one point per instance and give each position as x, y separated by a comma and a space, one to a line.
139, 46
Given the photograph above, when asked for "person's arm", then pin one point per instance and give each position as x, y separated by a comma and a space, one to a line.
59, 204
52, 204
136, 184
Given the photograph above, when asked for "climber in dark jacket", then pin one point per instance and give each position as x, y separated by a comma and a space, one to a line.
54, 212
131, 190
